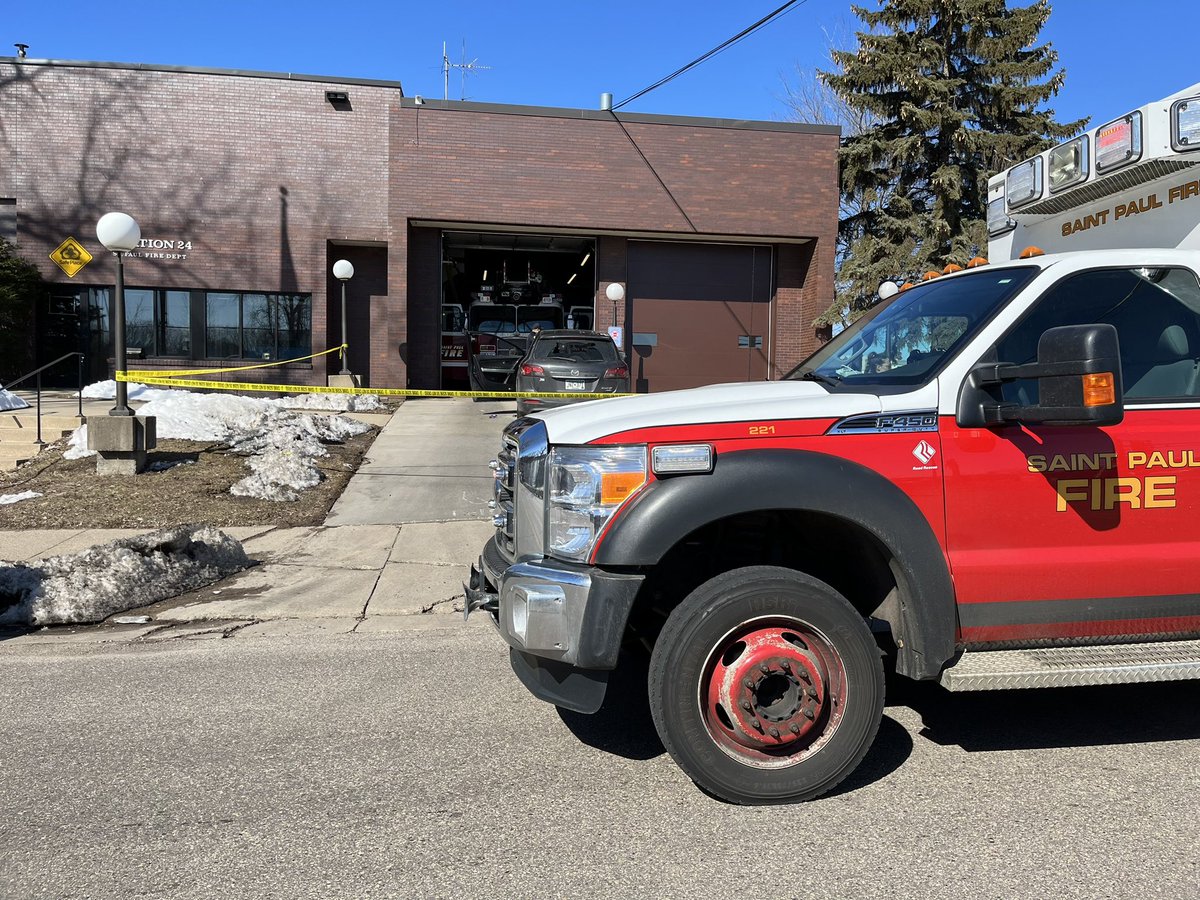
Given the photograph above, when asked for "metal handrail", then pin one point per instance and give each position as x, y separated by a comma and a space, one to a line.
38, 372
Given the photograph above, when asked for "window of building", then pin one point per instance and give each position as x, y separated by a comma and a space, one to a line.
257, 326
157, 322
1156, 311
8, 219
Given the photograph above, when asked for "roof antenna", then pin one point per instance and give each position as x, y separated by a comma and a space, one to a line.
21, 48
464, 68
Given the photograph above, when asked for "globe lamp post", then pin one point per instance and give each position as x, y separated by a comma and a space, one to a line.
343, 271
119, 233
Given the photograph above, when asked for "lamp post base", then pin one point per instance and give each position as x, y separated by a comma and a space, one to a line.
346, 380
121, 442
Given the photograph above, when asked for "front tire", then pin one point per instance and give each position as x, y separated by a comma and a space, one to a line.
766, 686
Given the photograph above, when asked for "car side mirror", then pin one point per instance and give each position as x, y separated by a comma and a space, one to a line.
1078, 370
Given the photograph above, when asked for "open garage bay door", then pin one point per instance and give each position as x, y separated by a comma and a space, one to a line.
701, 313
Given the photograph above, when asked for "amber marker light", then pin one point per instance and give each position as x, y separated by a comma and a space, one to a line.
977, 262
930, 275
1099, 389
904, 287
1031, 252
615, 487
951, 268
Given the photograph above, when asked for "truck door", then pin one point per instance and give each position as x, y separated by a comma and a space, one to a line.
1070, 531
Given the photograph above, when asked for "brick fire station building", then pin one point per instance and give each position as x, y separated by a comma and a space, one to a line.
249, 185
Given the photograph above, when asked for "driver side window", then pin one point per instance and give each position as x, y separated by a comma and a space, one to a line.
1156, 312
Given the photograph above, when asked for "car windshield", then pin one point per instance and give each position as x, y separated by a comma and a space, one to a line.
905, 340
575, 350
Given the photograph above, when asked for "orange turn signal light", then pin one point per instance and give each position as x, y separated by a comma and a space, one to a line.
1031, 252
905, 286
1099, 389
951, 267
977, 262
616, 487
930, 275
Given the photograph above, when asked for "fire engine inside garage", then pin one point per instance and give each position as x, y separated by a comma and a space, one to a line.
704, 245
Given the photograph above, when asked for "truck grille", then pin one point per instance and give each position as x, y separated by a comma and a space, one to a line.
504, 487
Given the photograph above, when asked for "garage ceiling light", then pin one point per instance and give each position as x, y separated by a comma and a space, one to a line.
572, 278
585, 259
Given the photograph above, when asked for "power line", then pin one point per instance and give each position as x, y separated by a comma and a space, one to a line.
741, 35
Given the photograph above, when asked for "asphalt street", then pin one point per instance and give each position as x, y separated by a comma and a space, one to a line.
413, 764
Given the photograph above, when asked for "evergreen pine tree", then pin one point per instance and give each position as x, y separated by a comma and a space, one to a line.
954, 90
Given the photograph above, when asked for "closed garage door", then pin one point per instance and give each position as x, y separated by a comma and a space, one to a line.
700, 313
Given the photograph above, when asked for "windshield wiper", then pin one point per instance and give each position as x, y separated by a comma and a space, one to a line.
827, 380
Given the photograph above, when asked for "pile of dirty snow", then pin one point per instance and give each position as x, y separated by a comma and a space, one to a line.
9, 400
282, 445
124, 574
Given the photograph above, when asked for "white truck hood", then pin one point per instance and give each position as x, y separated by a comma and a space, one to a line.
739, 402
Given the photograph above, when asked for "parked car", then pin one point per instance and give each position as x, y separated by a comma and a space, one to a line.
570, 362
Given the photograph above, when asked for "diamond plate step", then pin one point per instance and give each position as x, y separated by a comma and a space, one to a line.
994, 670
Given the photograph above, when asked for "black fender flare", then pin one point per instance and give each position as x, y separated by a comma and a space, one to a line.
671, 508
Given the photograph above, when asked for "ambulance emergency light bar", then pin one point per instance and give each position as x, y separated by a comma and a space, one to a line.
1131, 144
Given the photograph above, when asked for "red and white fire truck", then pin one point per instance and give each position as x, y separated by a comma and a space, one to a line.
991, 480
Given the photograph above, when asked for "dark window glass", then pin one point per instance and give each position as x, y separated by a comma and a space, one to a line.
1156, 312
293, 316
139, 320
174, 324
222, 321
258, 327
452, 318
575, 350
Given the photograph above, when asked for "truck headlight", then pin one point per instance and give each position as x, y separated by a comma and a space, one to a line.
587, 486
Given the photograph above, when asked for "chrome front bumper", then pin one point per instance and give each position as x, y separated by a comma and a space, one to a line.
572, 614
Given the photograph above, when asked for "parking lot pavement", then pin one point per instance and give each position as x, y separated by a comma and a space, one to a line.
428, 464
411, 763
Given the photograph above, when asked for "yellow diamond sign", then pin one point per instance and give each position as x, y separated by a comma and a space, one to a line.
71, 256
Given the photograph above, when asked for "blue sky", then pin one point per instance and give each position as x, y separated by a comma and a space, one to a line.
1118, 55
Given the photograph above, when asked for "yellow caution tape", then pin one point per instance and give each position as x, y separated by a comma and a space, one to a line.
140, 377
181, 373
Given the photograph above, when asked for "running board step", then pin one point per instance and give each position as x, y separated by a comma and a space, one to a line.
994, 670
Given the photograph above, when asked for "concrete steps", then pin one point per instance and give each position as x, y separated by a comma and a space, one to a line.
18, 435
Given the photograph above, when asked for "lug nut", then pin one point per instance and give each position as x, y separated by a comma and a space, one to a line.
812, 693
795, 729
808, 713
749, 683
765, 668
774, 732
757, 724
745, 704
787, 666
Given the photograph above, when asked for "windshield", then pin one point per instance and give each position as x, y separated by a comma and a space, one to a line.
494, 319
543, 317
905, 340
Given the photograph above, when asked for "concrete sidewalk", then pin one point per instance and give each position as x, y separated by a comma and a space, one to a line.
428, 464
355, 578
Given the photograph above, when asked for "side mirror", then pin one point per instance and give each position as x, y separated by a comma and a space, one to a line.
1078, 370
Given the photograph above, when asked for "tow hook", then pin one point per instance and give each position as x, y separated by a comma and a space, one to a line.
477, 594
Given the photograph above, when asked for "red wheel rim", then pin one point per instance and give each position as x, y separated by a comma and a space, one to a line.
772, 692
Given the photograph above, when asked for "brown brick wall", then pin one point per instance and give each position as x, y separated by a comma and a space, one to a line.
259, 173
265, 178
